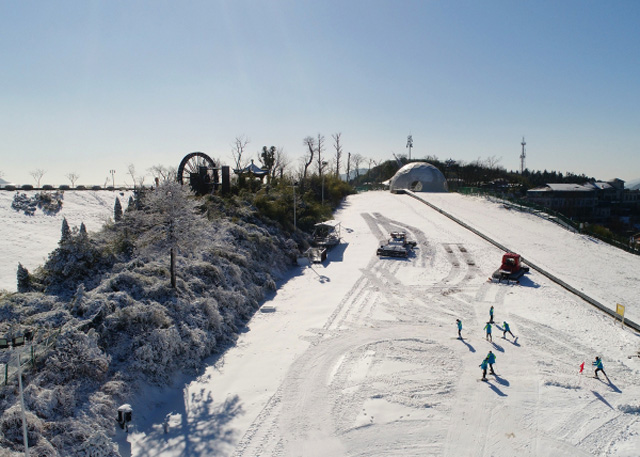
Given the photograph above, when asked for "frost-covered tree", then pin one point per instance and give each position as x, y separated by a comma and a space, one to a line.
169, 221
117, 210
24, 280
131, 204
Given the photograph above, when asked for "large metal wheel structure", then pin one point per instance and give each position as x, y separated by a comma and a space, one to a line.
199, 171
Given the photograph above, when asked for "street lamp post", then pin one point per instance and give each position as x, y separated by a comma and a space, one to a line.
113, 179
295, 184
324, 164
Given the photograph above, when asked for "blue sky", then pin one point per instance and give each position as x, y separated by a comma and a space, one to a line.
89, 86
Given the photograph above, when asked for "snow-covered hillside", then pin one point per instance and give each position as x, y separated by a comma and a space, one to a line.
361, 355
29, 239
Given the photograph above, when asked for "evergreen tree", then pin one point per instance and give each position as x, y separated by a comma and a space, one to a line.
83, 231
66, 231
131, 204
117, 210
24, 280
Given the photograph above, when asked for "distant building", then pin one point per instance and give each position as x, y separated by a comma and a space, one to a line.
572, 200
590, 202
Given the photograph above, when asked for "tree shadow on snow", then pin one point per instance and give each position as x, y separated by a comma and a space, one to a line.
201, 430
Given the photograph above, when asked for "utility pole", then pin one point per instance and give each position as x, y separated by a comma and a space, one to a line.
113, 179
522, 157
24, 415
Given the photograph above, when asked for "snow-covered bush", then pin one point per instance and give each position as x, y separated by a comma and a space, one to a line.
49, 203
76, 355
11, 428
22, 203
75, 259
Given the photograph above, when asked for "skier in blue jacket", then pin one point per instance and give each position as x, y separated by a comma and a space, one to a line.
487, 328
491, 314
459, 322
599, 367
506, 329
491, 359
483, 365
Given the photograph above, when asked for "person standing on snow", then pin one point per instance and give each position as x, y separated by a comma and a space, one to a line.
491, 359
487, 328
491, 314
459, 322
483, 365
505, 329
599, 367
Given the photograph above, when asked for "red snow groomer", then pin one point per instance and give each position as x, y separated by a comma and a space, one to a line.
511, 269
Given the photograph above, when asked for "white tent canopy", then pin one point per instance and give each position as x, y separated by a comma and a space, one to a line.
419, 177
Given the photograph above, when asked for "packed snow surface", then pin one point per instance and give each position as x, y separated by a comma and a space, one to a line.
359, 356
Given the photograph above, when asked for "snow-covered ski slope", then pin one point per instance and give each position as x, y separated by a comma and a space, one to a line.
361, 356
30, 239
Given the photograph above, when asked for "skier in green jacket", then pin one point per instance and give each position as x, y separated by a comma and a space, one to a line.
487, 328
506, 329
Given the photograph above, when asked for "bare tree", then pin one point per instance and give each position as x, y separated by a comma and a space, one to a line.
348, 166
239, 145
320, 150
162, 173
492, 162
131, 171
138, 181
338, 147
357, 159
281, 162
73, 178
310, 143
37, 175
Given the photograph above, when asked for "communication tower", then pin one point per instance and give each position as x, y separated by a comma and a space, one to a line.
410, 145
522, 156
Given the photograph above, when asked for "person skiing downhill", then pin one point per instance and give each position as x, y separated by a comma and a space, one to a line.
459, 322
483, 365
491, 359
599, 367
488, 330
491, 314
506, 329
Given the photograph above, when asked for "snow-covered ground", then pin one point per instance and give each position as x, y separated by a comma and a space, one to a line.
30, 239
361, 355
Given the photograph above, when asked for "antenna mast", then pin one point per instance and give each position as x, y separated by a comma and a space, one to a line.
410, 145
522, 156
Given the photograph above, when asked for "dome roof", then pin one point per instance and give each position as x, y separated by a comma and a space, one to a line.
419, 177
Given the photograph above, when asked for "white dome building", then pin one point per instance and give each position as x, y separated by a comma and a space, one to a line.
418, 177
